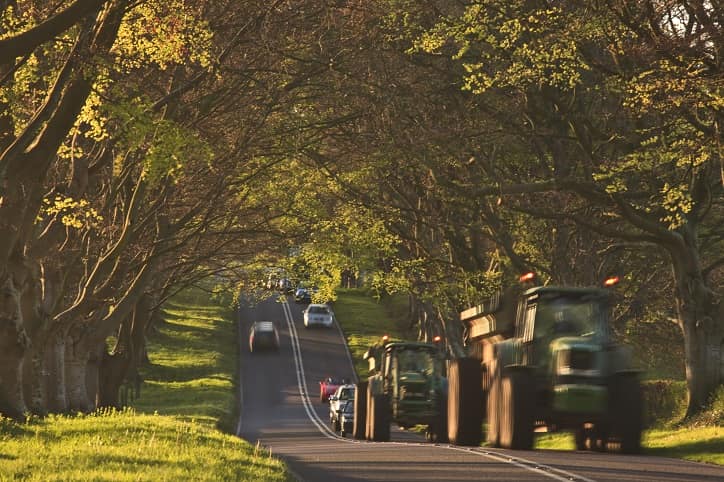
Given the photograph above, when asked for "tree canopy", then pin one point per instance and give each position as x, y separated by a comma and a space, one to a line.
431, 147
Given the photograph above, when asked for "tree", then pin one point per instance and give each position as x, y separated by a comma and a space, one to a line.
634, 148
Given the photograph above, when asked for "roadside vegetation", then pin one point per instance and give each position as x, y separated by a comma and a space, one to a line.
365, 319
172, 432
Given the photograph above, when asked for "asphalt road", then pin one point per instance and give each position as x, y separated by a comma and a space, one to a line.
281, 410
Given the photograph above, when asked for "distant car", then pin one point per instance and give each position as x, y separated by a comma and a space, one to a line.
328, 386
303, 294
337, 401
263, 335
284, 285
318, 315
346, 418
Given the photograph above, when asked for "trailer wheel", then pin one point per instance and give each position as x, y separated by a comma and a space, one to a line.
626, 407
359, 421
379, 418
493, 405
464, 402
516, 410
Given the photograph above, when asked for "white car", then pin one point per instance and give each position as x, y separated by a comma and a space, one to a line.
318, 315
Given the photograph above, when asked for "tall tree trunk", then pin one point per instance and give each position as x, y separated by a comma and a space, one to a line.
76, 361
93, 370
702, 325
113, 371
55, 365
35, 381
12, 399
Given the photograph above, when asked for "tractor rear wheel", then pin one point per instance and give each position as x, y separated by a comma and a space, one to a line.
359, 421
493, 405
464, 402
516, 410
626, 408
379, 418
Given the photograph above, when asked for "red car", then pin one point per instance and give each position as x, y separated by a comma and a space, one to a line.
328, 386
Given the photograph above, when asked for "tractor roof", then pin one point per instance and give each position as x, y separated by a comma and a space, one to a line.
413, 345
560, 290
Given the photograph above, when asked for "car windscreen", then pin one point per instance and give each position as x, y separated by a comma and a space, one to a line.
318, 310
346, 393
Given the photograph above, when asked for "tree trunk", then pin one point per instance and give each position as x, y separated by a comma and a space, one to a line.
76, 361
55, 365
12, 400
113, 372
35, 381
702, 325
93, 371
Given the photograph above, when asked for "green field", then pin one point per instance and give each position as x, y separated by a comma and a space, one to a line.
363, 319
172, 431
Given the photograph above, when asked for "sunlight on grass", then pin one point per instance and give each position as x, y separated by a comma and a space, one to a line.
555, 441
171, 432
700, 444
129, 446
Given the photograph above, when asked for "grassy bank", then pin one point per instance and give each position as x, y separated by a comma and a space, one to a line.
365, 319
172, 431
699, 444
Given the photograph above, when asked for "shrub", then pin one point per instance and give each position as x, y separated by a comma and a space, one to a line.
664, 402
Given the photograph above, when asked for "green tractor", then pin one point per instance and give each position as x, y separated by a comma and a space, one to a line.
544, 357
407, 386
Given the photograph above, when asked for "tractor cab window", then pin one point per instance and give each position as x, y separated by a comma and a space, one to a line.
567, 316
415, 361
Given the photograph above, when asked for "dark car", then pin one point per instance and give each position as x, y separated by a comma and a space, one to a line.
346, 418
263, 336
303, 293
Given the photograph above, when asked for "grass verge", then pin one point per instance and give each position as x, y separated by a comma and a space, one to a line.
170, 434
365, 320
699, 444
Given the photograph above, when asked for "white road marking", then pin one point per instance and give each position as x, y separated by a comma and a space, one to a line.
302, 379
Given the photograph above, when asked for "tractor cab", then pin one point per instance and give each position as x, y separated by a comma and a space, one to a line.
411, 374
